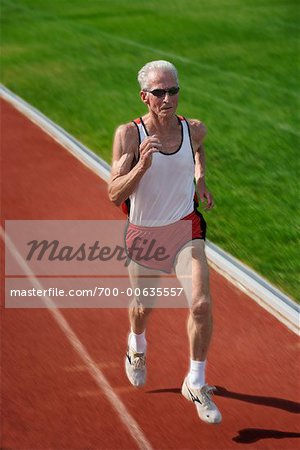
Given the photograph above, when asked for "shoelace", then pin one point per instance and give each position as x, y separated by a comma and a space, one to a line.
206, 394
138, 362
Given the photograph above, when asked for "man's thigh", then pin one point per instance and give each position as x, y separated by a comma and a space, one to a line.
192, 271
144, 282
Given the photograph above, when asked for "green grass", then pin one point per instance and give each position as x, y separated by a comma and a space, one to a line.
238, 63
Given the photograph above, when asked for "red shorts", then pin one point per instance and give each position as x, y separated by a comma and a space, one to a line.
157, 247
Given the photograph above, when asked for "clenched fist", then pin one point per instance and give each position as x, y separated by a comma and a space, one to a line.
149, 145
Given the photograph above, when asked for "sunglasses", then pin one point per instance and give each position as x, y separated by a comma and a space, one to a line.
162, 92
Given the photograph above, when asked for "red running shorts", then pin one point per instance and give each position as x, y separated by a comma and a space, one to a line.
157, 247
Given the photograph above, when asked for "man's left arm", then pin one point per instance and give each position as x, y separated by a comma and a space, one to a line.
206, 198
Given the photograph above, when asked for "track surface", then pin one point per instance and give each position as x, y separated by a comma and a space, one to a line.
49, 399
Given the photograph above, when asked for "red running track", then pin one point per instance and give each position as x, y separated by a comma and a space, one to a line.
50, 400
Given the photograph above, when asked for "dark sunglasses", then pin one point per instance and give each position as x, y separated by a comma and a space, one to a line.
162, 92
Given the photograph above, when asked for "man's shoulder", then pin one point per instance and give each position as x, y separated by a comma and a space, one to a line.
126, 128
197, 127
127, 131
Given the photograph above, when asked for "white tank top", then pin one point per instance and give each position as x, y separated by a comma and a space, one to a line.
165, 192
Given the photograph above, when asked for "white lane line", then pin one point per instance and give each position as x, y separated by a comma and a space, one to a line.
155, 50
286, 127
117, 404
195, 63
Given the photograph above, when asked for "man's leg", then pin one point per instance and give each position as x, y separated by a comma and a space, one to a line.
192, 271
139, 311
142, 305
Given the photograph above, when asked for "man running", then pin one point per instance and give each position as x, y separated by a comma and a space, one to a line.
157, 160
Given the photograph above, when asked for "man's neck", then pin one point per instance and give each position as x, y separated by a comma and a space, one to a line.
160, 125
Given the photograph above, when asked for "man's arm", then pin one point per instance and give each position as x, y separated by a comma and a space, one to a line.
198, 133
124, 177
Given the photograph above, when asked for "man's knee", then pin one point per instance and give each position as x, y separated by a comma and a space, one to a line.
201, 311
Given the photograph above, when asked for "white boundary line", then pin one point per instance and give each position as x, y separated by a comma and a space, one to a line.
256, 287
101, 381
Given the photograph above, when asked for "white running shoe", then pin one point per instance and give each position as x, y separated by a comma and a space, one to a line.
135, 366
206, 408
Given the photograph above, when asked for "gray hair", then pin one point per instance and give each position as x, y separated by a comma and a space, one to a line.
152, 66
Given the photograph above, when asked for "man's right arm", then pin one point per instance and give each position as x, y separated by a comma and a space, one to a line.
124, 177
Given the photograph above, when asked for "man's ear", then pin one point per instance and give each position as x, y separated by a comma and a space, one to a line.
144, 97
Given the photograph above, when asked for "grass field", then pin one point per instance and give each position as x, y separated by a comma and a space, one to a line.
238, 63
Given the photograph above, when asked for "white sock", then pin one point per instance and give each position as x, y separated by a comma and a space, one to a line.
137, 342
196, 375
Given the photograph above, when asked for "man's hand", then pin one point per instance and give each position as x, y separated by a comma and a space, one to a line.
205, 196
149, 146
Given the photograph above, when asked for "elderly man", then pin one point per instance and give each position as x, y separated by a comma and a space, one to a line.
157, 161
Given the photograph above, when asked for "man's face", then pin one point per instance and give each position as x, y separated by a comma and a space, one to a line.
161, 106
